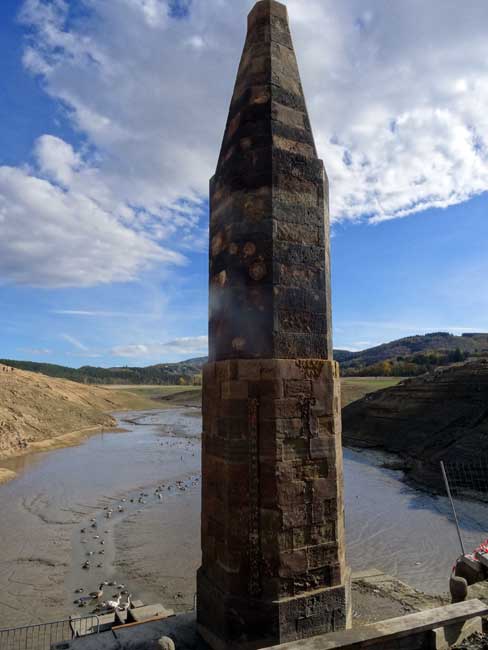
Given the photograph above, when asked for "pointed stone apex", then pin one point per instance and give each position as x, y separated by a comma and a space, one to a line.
265, 9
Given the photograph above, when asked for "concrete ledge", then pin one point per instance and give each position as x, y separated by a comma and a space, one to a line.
414, 631
432, 629
445, 637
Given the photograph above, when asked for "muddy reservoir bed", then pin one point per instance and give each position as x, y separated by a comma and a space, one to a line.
151, 546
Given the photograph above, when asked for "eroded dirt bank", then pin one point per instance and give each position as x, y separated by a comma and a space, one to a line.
441, 415
38, 413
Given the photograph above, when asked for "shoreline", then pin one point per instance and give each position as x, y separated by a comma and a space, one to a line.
70, 439
63, 441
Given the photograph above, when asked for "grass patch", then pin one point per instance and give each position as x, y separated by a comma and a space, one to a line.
354, 388
161, 396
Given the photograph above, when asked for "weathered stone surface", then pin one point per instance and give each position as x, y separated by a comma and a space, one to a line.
269, 236
272, 511
273, 562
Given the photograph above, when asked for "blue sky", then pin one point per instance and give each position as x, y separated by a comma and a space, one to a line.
111, 116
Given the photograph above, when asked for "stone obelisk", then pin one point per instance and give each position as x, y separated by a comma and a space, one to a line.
273, 552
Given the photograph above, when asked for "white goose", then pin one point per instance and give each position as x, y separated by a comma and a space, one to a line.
112, 604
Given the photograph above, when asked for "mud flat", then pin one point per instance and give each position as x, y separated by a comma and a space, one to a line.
56, 495
148, 480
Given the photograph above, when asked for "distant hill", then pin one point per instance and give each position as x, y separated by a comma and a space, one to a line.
410, 356
413, 355
184, 372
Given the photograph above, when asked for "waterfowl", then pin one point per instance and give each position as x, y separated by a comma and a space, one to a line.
96, 595
126, 605
113, 604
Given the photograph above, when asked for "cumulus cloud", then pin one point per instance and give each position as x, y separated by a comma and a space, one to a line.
397, 94
60, 226
186, 345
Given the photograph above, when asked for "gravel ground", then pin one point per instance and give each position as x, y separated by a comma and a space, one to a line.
475, 642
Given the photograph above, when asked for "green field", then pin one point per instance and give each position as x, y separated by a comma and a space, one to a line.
353, 388
162, 396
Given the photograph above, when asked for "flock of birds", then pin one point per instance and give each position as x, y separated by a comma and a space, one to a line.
94, 557
105, 606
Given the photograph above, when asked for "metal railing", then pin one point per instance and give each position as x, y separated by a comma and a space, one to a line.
43, 635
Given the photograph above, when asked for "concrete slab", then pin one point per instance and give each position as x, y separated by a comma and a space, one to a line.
449, 635
103, 641
182, 629
433, 629
396, 633
140, 614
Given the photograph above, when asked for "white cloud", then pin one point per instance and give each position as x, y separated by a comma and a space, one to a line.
397, 94
191, 345
37, 352
93, 313
74, 342
61, 226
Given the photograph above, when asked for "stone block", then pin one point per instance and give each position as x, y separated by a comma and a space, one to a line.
249, 370
293, 562
234, 390
321, 448
298, 387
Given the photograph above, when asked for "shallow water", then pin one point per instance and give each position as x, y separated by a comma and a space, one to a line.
401, 530
389, 525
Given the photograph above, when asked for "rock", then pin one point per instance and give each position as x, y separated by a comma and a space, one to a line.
165, 643
458, 588
471, 570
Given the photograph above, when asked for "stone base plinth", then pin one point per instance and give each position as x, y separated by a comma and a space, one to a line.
273, 564
228, 623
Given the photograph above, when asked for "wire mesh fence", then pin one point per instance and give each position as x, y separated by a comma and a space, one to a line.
468, 480
44, 635
467, 488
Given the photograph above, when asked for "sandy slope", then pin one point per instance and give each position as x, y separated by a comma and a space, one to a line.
36, 411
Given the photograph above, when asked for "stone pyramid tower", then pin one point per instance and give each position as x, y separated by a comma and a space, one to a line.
273, 554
